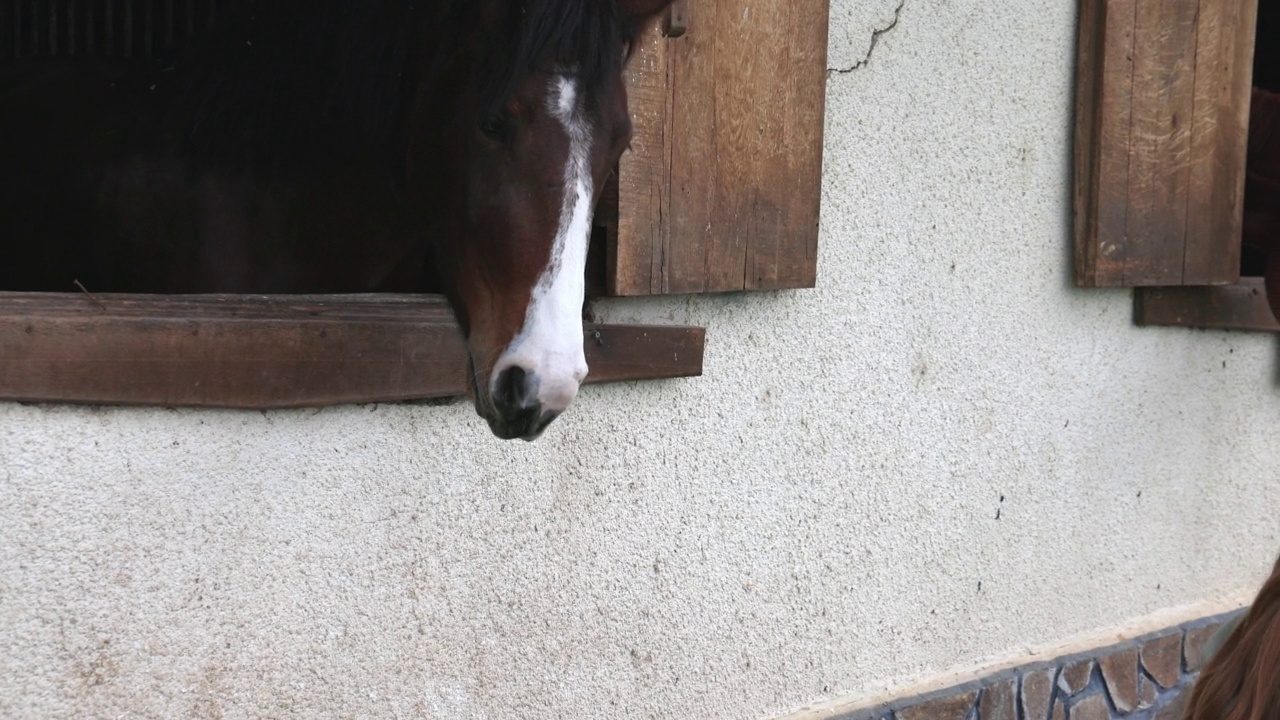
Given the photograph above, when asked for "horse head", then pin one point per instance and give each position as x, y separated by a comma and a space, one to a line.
513, 130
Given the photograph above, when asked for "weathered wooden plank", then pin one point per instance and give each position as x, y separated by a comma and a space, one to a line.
617, 353
273, 352
693, 172
801, 182
635, 243
1164, 51
750, 57
1087, 143
1241, 306
1219, 137
734, 205
1161, 112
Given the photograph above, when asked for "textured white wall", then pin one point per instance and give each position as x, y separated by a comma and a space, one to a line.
811, 519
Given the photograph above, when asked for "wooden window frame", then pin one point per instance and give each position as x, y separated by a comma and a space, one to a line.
655, 237
1108, 81
268, 352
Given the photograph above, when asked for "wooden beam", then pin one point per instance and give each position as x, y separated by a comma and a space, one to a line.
261, 352
1242, 306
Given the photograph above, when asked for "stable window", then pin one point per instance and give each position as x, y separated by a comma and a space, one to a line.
1161, 144
720, 192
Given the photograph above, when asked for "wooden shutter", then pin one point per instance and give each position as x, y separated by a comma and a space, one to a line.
721, 189
1161, 120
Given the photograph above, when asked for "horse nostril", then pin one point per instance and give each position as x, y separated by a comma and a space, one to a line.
513, 388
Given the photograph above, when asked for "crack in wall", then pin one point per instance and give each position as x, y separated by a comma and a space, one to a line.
875, 38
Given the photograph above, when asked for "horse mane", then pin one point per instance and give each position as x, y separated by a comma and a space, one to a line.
287, 77
588, 38
1242, 681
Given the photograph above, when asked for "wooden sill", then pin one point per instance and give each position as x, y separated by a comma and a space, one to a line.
261, 352
1242, 306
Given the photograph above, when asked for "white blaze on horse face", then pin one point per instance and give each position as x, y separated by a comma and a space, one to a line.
549, 346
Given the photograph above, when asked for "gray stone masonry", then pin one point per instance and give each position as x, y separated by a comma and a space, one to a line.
1147, 678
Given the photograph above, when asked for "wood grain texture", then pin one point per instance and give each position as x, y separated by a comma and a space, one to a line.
735, 203
692, 173
634, 252
1086, 140
1240, 306
1164, 52
1161, 114
1223, 79
749, 99
264, 352
797, 260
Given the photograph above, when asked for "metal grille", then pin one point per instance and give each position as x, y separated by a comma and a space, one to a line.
102, 28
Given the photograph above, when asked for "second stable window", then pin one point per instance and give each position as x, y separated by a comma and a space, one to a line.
1161, 144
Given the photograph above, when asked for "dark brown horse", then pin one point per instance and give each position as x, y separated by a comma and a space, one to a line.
322, 146
1242, 680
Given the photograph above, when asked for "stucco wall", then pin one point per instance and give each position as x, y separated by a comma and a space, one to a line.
814, 518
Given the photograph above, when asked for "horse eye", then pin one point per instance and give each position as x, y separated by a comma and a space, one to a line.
500, 128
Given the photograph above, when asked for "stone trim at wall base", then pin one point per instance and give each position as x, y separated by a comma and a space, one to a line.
1145, 678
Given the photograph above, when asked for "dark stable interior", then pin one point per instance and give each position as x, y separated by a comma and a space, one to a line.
153, 32
131, 40
1266, 76
1266, 58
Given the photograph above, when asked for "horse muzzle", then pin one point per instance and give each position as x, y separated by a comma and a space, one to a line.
522, 403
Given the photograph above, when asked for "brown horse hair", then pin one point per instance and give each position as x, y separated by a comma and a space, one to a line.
1242, 681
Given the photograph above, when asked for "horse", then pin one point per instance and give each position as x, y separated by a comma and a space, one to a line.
338, 146
1242, 679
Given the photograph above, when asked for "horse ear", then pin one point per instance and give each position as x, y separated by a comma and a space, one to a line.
641, 11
